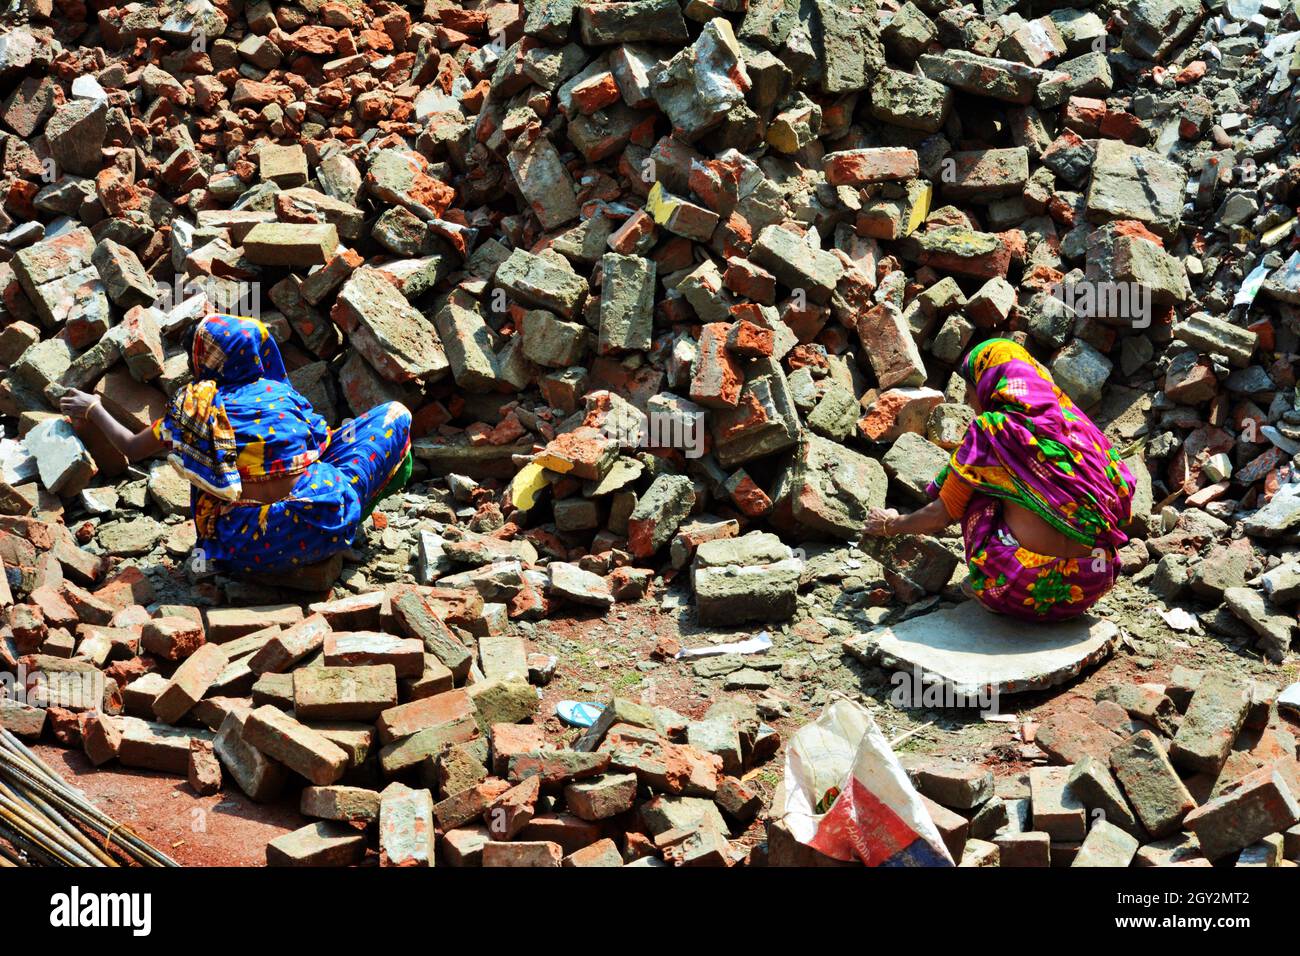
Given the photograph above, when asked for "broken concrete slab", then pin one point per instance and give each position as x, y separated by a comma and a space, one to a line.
968, 647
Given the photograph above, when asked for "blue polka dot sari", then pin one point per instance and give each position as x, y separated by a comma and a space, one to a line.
241, 422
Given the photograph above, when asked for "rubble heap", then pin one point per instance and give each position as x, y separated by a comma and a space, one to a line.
669, 272
668, 287
1197, 772
366, 694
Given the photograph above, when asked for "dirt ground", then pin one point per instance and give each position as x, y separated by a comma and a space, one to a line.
599, 655
226, 829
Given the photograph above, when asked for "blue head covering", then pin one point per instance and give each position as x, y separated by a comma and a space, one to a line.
240, 419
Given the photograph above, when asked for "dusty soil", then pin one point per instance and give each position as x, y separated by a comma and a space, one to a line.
226, 829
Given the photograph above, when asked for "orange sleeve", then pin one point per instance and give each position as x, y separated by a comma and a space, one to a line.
955, 495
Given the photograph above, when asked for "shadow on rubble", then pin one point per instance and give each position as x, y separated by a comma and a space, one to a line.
897, 690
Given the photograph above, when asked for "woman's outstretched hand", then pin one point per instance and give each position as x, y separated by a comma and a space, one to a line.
77, 405
879, 523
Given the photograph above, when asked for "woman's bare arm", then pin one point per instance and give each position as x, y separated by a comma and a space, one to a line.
141, 444
886, 522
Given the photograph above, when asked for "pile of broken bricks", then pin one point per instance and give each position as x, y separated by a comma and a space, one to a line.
669, 287
1199, 772
404, 725
550, 229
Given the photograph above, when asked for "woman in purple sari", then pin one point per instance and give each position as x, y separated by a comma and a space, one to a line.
1040, 493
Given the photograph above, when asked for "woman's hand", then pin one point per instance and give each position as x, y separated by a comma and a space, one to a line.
879, 523
77, 405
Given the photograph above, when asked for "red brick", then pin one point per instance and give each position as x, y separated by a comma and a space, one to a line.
856, 167
129, 586
1069, 736
749, 340
897, 411
530, 854
717, 377
172, 638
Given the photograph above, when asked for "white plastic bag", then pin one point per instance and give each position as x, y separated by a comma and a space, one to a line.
847, 796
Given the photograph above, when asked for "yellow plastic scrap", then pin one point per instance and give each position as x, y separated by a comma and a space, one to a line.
528, 484
920, 193
553, 462
661, 204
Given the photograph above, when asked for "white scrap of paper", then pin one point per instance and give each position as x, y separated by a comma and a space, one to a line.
758, 644
1251, 285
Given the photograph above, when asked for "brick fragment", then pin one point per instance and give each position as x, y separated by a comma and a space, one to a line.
324, 843
1209, 728
1157, 795
294, 744
1264, 803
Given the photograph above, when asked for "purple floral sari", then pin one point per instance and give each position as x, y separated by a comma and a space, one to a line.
1032, 446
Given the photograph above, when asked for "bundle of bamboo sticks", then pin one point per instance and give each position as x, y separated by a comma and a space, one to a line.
45, 822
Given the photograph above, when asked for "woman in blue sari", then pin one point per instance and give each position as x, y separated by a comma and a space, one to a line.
274, 488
